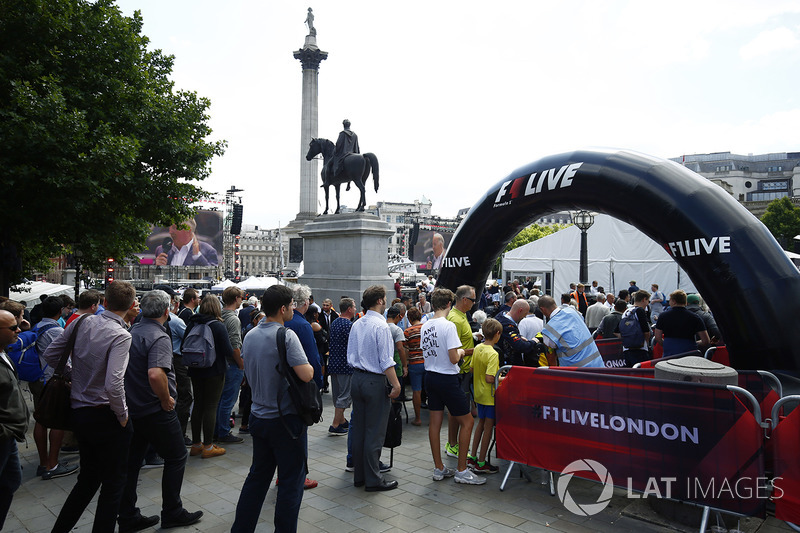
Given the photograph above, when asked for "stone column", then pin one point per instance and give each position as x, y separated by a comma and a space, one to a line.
310, 56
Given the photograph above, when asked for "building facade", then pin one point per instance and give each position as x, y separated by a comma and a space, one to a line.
260, 251
753, 180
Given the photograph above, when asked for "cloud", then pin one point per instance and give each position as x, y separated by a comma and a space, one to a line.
769, 42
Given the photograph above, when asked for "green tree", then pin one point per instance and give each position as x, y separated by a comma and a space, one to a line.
96, 143
529, 234
783, 220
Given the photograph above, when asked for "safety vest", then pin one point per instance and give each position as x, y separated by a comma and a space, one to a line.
574, 344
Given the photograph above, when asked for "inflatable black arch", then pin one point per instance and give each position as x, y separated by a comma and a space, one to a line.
731, 257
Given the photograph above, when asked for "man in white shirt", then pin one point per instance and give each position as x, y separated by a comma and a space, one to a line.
441, 348
370, 351
596, 312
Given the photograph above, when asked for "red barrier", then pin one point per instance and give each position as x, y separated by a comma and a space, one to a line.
785, 445
611, 352
687, 441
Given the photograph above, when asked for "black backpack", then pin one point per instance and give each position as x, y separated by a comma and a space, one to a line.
630, 330
306, 396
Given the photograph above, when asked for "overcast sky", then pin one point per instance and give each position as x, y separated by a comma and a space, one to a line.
453, 96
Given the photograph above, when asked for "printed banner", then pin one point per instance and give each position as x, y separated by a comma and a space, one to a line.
685, 441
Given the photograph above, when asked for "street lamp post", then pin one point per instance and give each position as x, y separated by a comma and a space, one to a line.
584, 220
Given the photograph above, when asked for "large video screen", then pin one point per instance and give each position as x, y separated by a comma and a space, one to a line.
429, 250
199, 244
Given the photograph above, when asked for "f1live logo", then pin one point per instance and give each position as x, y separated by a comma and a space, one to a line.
701, 246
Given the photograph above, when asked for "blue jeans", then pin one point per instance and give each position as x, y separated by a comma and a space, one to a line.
273, 448
10, 476
230, 392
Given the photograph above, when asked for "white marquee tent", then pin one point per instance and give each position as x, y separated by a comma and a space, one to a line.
618, 253
33, 289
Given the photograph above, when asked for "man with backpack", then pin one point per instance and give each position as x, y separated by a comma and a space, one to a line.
46, 330
634, 330
99, 408
279, 434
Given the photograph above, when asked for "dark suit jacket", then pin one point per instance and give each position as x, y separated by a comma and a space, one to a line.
207, 257
324, 323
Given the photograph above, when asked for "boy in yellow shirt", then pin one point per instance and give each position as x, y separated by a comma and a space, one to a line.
485, 364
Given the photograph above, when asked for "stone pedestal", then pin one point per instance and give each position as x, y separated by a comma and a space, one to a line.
344, 254
697, 370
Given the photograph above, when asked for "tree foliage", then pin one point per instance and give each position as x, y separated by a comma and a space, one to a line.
96, 144
783, 220
532, 233
529, 234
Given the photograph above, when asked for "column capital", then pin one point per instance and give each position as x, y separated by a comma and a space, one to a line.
310, 57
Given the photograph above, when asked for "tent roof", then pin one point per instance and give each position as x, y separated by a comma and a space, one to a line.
34, 289
254, 282
608, 239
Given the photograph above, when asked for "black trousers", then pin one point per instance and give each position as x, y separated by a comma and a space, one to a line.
104, 446
163, 431
183, 384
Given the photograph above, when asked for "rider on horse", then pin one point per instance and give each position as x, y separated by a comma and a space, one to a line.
346, 144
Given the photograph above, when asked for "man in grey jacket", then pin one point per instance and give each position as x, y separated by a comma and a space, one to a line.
13, 417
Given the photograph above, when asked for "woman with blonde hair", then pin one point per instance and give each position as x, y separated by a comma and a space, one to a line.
207, 383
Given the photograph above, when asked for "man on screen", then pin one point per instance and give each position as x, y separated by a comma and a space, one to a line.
435, 260
183, 248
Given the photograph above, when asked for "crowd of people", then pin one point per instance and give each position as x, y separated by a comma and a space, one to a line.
140, 397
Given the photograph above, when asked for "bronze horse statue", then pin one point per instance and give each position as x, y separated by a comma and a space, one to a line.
355, 168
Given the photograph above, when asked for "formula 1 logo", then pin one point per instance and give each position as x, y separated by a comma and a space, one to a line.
536, 183
585, 509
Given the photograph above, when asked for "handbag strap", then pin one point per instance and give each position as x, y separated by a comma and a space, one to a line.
70, 346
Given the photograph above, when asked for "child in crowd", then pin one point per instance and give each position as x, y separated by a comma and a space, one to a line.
485, 364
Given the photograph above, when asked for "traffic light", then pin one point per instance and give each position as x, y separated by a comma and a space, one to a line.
110, 270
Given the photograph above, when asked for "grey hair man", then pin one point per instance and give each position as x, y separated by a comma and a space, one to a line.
150, 390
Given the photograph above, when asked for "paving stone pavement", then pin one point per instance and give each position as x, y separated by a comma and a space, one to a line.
335, 506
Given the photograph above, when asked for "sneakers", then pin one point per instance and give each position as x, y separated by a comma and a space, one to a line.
338, 431
439, 475
345, 425
212, 451
230, 439
196, 449
41, 469
472, 461
384, 467
60, 470
451, 451
244, 431
187, 441
349, 467
469, 478
484, 468
185, 518
308, 484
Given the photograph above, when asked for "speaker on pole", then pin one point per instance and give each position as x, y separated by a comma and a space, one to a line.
236, 223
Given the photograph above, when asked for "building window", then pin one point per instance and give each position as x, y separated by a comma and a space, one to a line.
774, 186
400, 219
723, 168
775, 169
389, 218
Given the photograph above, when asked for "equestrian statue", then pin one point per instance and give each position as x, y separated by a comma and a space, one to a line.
343, 163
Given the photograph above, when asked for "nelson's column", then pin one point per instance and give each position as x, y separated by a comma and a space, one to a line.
310, 56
